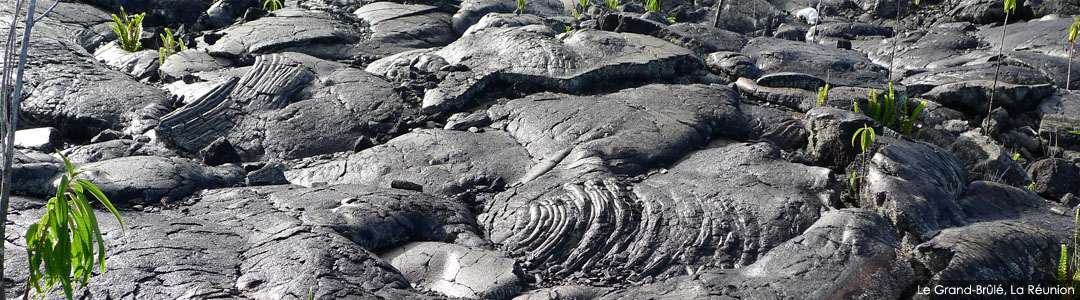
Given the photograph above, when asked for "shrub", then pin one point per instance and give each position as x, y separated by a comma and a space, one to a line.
272, 5
60, 247
169, 46
128, 30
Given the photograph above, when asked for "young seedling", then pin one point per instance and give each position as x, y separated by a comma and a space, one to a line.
866, 137
128, 30
612, 4
584, 4
520, 6
169, 46
1010, 7
886, 112
61, 245
822, 93
652, 5
1076, 132
576, 14
1072, 45
272, 5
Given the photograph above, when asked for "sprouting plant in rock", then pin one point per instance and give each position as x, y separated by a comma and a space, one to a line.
169, 46
893, 113
272, 5
672, 19
128, 30
1010, 7
1076, 132
575, 13
520, 6
652, 5
822, 93
612, 4
61, 246
1069, 274
866, 137
1073, 29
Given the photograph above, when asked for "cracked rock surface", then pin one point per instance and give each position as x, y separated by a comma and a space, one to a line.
448, 149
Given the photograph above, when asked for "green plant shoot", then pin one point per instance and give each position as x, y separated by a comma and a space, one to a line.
576, 14
652, 5
584, 4
128, 29
612, 4
1076, 132
169, 46
1063, 265
1010, 6
60, 247
272, 5
822, 93
866, 137
1016, 157
1073, 29
520, 6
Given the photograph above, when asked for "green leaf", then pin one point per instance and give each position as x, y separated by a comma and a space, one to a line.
101, 198
1010, 6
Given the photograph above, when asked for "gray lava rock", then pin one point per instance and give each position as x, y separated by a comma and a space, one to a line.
270, 174
1054, 178
915, 186
945, 45
628, 131
973, 97
455, 271
845, 254
188, 63
224, 12
986, 160
377, 218
441, 161
702, 39
281, 107
290, 29
400, 27
699, 201
845, 31
148, 179
462, 121
569, 62
219, 152
114, 149
792, 80
77, 95
732, 65
990, 251
141, 64
160, 12
504, 20
924, 82
842, 67
831, 129
472, 10
1061, 114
